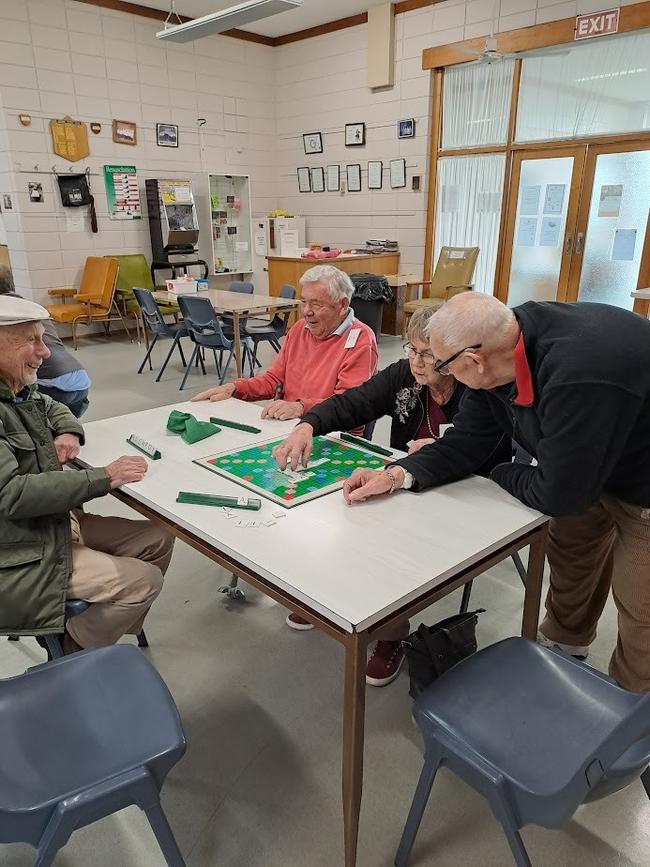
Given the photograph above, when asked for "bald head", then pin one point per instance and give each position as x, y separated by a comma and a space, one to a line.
481, 333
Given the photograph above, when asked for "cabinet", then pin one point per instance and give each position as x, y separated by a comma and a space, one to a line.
229, 205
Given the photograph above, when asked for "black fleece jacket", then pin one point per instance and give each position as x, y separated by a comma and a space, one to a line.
390, 392
589, 422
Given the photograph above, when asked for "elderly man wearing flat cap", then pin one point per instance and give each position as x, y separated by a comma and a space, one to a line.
49, 548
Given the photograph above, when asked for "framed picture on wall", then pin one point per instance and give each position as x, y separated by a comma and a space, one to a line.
318, 180
312, 142
397, 174
406, 128
124, 132
375, 169
167, 135
355, 134
304, 180
333, 179
353, 174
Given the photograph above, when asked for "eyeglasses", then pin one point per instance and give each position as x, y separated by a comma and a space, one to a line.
440, 366
315, 305
427, 358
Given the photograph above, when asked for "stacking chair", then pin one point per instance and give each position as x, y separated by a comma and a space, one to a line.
154, 320
205, 332
535, 731
94, 301
83, 737
134, 271
275, 329
453, 274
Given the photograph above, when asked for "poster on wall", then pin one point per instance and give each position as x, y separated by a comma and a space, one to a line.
529, 200
526, 231
554, 198
122, 193
609, 204
549, 235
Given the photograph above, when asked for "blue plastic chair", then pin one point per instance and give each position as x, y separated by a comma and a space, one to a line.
155, 322
535, 731
205, 332
274, 330
83, 737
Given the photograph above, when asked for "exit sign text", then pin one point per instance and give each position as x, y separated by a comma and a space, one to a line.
597, 24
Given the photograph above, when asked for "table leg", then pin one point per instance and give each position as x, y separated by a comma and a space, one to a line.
235, 327
534, 578
354, 704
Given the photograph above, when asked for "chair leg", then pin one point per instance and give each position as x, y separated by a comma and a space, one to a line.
180, 349
232, 591
168, 356
56, 835
422, 792
164, 836
54, 646
510, 828
645, 779
189, 367
464, 602
519, 566
143, 641
222, 378
148, 354
201, 361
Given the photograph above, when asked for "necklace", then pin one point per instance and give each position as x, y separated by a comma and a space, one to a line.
428, 419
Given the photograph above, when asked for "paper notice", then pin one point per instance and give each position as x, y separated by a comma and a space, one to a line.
549, 235
526, 231
624, 244
529, 201
609, 204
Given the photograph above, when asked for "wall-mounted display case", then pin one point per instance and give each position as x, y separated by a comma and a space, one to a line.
230, 224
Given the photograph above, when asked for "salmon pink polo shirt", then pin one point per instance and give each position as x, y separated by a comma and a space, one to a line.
311, 370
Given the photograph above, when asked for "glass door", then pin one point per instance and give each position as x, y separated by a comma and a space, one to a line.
541, 224
611, 227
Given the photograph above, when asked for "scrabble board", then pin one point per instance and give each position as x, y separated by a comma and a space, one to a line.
255, 468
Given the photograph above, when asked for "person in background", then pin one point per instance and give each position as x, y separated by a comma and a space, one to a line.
570, 383
61, 376
419, 401
51, 549
324, 353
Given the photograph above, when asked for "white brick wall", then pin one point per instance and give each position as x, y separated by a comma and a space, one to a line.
61, 57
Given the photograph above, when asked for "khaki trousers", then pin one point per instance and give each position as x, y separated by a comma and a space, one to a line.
606, 546
118, 565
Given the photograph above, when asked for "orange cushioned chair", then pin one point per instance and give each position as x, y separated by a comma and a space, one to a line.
94, 301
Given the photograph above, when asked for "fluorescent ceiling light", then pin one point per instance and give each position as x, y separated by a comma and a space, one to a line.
612, 74
235, 16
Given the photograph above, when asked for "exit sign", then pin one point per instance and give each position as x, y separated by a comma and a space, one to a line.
597, 24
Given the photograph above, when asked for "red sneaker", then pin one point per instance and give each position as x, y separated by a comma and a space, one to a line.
384, 664
296, 622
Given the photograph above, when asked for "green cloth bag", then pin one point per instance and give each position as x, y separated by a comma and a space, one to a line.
191, 430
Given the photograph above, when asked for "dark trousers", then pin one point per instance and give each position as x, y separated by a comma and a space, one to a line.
76, 401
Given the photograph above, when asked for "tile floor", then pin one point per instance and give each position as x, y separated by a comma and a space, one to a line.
261, 705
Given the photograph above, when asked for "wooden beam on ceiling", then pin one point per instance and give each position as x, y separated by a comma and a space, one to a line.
635, 17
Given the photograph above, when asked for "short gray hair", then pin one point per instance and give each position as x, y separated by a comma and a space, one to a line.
419, 322
470, 318
337, 282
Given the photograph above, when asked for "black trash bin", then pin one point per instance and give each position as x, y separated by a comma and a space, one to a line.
371, 291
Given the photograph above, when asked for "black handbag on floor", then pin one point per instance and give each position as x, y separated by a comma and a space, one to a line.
432, 650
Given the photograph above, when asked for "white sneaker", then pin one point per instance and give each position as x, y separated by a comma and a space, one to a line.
576, 650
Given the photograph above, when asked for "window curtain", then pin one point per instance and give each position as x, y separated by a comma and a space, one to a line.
468, 210
597, 87
476, 104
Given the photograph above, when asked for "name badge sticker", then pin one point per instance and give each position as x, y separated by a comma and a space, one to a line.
353, 336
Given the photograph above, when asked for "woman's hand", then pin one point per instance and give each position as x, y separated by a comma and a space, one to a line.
219, 392
283, 409
296, 449
416, 445
371, 483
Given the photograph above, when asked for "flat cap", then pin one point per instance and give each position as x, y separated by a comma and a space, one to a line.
14, 310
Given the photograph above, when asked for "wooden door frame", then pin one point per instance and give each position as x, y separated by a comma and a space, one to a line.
506, 240
594, 150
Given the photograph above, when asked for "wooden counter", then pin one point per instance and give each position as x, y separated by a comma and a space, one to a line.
287, 269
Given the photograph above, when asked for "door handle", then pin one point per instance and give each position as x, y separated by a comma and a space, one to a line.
568, 242
580, 240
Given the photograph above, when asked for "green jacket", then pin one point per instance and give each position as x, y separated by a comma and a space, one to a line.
36, 497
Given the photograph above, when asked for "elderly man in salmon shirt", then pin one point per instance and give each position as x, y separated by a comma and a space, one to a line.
325, 353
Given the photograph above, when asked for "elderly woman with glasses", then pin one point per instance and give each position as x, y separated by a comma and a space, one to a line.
420, 403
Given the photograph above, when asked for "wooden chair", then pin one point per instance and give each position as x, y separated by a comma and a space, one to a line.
453, 274
94, 301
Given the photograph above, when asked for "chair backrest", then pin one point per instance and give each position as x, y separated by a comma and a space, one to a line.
202, 324
242, 286
288, 291
454, 271
99, 278
152, 316
281, 320
134, 271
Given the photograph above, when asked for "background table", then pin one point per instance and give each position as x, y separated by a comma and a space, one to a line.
236, 306
352, 571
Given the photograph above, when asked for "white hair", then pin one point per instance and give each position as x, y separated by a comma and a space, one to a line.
337, 282
471, 318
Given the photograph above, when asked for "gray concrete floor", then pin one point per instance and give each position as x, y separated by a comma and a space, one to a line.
261, 706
